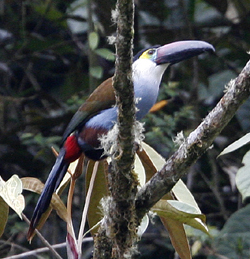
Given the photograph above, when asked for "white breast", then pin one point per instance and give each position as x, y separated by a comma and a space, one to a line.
147, 78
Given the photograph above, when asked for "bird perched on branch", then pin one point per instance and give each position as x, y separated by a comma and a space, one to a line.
98, 114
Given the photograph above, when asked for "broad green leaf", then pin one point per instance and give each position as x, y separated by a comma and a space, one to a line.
51, 13
156, 158
4, 212
105, 53
243, 177
67, 177
143, 226
93, 40
237, 144
11, 191
181, 206
148, 165
96, 72
78, 9
186, 207
99, 191
196, 247
140, 171
233, 240
178, 237
180, 190
181, 212
183, 194
34, 185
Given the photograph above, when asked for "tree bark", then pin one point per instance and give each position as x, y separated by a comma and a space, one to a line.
119, 230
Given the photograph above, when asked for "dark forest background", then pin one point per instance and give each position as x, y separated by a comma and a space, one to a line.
54, 53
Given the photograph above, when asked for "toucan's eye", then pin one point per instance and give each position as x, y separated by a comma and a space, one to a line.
151, 51
148, 54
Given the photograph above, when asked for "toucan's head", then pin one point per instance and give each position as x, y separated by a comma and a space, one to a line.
174, 52
150, 63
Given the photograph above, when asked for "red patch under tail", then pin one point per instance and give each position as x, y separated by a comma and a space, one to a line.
73, 151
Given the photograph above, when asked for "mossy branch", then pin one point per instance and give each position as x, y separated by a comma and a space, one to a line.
122, 181
197, 143
120, 226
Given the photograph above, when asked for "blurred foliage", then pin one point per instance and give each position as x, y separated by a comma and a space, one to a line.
49, 51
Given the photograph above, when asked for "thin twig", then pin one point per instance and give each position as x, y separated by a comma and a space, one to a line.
214, 186
70, 228
43, 250
44, 241
76, 174
86, 206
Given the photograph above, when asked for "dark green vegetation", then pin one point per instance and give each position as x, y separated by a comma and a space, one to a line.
45, 68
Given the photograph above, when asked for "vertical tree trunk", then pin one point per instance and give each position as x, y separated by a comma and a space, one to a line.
117, 235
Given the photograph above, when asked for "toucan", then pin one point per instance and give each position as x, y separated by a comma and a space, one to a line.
98, 113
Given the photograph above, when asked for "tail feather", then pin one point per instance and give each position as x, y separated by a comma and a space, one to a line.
55, 177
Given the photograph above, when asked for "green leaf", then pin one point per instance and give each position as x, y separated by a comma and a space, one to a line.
93, 40
11, 191
233, 240
100, 190
143, 226
96, 72
237, 144
4, 212
243, 177
148, 165
105, 53
67, 177
34, 185
181, 206
183, 194
140, 171
156, 158
51, 13
181, 212
178, 237
180, 190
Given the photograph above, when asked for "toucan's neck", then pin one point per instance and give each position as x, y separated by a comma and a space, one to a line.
147, 77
